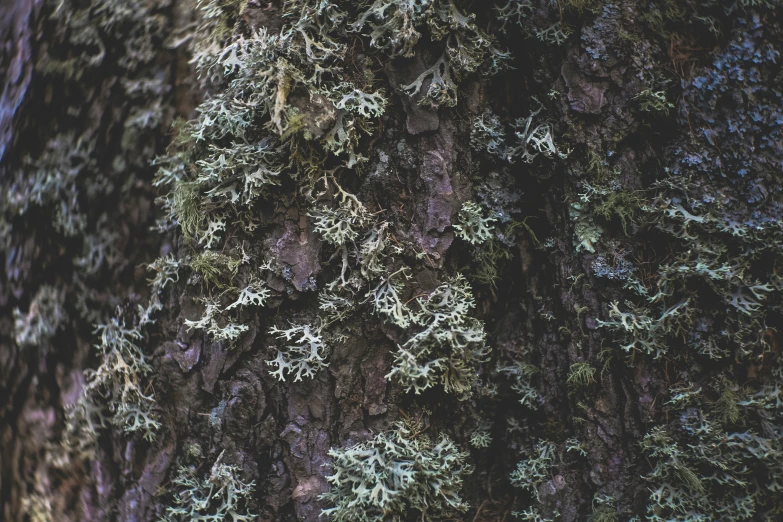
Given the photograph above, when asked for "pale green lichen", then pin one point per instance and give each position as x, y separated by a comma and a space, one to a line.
514, 11
534, 138
604, 509
654, 101
394, 25
166, 271
43, 319
586, 231
481, 436
522, 373
114, 392
387, 301
532, 472
215, 324
473, 227
487, 134
645, 333
304, 357
450, 345
554, 34
219, 496
395, 474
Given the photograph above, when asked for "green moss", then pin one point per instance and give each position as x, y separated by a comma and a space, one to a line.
581, 375
216, 269
621, 204
186, 209
487, 258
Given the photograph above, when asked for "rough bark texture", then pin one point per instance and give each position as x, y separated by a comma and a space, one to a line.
642, 249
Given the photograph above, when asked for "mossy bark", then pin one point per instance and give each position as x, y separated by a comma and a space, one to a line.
545, 309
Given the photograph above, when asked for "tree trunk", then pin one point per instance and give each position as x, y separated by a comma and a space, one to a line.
385, 243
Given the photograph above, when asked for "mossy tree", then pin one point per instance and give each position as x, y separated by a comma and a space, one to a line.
391, 260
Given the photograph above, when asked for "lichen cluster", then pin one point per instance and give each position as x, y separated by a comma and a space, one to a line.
708, 304
83, 174
220, 495
285, 116
388, 476
674, 272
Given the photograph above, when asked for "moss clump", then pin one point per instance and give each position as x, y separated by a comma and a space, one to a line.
213, 267
581, 375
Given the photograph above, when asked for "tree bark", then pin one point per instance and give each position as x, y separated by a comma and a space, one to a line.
659, 199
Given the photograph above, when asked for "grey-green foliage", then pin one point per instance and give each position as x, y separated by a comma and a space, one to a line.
586, 231
532, 472
604, 509
574, 444
65, 178
219, 496
481, 436
533, 515
645, 333
553, 34
518, 11
654, 101
449, 346
303, 357
254, 128
466, 49
43, 318
394, 474
534, 137
357, 235
514, 11
488, 135
523, 373
51, 181
527, 139
394, 25
216, 325
473, 226
166, 271
340, 225
115, 392
238, 158
100, 250
708, 463
386, 299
